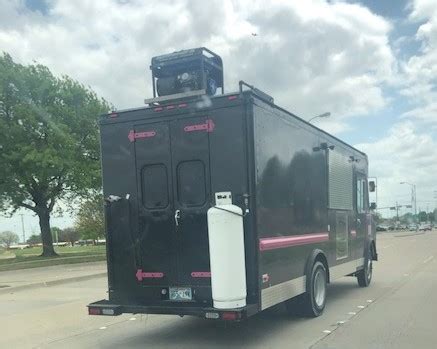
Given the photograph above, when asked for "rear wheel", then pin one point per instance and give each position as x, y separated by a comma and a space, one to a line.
364, 276
312, 302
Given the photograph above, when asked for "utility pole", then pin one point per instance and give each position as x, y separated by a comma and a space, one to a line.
413, 198
22, 228
415, 201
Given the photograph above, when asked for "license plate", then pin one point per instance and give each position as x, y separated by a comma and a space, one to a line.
180, 294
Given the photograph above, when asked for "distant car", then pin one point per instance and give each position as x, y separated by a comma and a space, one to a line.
412, 227
381, 228
424, 227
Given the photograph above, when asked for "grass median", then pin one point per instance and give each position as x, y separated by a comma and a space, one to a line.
30, 257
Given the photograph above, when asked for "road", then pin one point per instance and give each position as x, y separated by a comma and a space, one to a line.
396, 311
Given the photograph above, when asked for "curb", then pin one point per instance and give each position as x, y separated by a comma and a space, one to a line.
51, 283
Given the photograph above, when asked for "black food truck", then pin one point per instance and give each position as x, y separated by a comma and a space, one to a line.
222, 205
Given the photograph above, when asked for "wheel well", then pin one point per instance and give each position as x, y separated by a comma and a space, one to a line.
322, 258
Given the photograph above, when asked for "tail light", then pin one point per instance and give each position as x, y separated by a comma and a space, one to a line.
230, 315
94, 311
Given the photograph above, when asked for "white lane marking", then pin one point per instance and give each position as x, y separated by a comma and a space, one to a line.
428, 259
327, 331
406, 274
132, 319
340, 322
361, 306
369, 301
102, 328
352, 313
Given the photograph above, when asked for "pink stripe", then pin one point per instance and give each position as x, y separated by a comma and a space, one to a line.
140, 275
289, 241
137, 135
354, 233
201, 274
208, 126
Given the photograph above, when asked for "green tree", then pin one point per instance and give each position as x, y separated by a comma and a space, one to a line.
89, 221
432, 216
70, 235
422, 216
7, 238
48, 141
377, 217
34, 239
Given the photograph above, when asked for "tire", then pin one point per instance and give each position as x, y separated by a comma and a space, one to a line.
364, 276
312, 302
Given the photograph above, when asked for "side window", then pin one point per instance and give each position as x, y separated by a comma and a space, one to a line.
154, 186
191, 183
361, 189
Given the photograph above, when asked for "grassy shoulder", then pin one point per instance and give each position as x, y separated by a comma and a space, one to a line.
30, 257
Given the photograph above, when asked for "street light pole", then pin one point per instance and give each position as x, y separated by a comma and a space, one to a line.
413, 197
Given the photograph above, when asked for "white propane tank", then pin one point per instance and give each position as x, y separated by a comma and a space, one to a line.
226, 253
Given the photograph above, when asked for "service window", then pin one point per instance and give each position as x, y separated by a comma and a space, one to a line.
155, 188
191, 183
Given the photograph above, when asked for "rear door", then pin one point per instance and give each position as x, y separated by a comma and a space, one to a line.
156, 237
174, 186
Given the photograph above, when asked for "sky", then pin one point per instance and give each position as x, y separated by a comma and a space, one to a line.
372, 64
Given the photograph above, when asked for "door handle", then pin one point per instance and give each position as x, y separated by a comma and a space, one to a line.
177, 216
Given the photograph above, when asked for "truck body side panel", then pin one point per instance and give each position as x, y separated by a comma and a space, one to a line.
294, 215
291, 192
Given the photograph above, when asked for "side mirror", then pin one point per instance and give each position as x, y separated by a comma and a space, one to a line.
372, 186
373, 206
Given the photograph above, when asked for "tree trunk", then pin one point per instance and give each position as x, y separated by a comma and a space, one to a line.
46, 234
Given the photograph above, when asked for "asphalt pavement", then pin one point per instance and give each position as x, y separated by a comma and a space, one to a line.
396, 311
12, 280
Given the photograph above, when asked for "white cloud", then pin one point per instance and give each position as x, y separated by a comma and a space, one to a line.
312, 56
404, 154
420, 71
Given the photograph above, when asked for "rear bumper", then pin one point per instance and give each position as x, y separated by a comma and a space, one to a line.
108, 308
